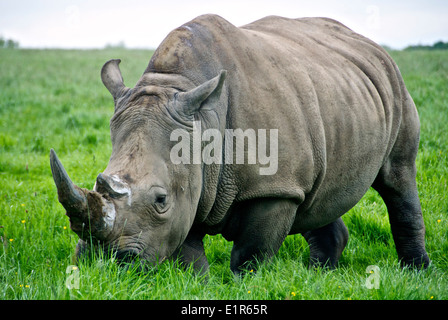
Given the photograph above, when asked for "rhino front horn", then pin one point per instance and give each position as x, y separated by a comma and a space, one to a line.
70, 196
90, 214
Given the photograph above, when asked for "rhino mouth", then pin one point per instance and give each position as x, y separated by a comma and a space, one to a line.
127, 255
133, 259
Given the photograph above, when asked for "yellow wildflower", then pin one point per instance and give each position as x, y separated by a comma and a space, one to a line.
22, 204
23, 221
11, 240
293, 294
65, 227
438, 221
248, 291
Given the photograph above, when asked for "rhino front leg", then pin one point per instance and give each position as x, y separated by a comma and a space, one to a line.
262, 226
327, 243
192, 251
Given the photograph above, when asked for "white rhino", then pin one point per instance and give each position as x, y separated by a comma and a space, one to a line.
344, 119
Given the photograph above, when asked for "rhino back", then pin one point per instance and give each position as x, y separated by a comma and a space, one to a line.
334, 96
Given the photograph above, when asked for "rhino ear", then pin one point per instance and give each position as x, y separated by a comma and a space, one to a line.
203, 97
112, 79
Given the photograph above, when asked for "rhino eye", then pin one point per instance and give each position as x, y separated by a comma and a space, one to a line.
159, 199
160, 204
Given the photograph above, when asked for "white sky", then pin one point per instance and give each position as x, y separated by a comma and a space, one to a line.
144, 24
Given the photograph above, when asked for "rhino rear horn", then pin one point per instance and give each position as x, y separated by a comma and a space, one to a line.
70, 196
112, 186
112, 79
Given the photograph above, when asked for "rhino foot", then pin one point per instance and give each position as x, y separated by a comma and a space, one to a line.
326, 244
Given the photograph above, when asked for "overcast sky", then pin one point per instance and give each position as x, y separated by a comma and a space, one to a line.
144, 24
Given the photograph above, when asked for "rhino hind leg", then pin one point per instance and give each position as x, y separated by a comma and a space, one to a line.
326, 244
396, 185
262, 226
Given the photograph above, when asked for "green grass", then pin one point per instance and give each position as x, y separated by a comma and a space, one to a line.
55, 99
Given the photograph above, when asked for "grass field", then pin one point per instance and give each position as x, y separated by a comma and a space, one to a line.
55, 99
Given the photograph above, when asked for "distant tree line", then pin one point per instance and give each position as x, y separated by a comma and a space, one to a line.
8, 43
440, 45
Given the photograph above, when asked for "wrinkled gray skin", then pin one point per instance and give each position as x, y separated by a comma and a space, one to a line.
345, 123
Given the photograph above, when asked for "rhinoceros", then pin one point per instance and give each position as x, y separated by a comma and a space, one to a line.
344, 120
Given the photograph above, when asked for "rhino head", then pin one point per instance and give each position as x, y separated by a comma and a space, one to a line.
142, 204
